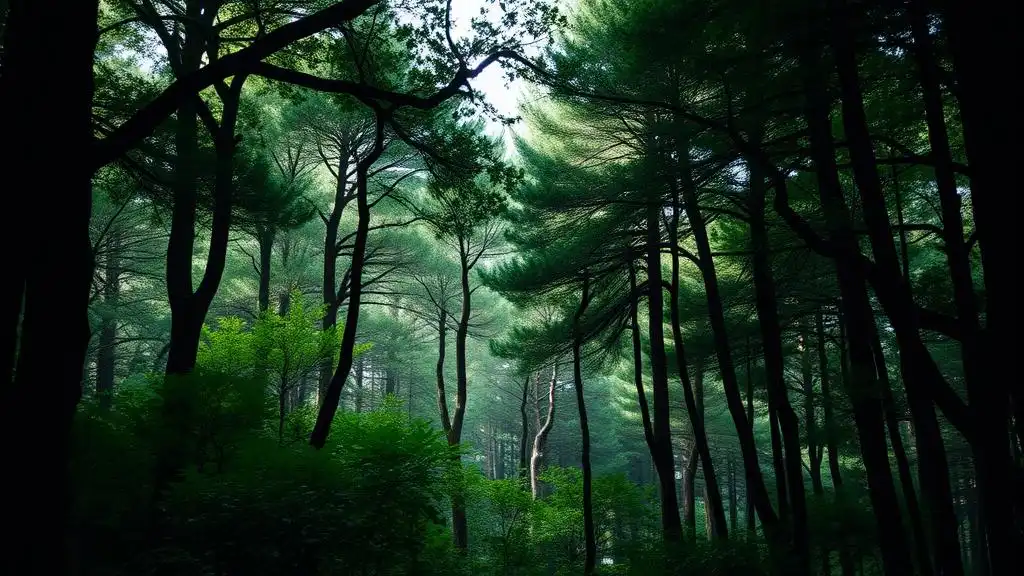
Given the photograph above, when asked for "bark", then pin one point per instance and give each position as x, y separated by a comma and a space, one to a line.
863, 386
332, 396
442, 394
918, 368
266, 244
589, 538
663, 461
524, 430
826, 404
779, 464
332, 297
360, 367
55, 263
540, 439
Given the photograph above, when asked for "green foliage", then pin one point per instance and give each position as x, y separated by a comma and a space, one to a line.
369, 505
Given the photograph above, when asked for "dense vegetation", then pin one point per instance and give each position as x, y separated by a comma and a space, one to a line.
288, 292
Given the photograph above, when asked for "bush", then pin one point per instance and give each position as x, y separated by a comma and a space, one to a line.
370, 504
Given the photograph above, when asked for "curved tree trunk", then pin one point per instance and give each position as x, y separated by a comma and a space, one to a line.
332, 396
589, 538
542, 436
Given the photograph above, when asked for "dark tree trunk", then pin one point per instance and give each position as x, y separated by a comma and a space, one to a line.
461, 333
332, 396
751, 522
694, 408
589, 538
638, 363
55, 263
332, 295
989, 114
188, 308
924, 563
771, 338
266, 243
671, 527
360, 369
917, 365
524, 431
779, 464
863, 387
689, 493
730, 383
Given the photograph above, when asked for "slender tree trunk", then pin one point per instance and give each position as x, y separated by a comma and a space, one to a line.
863, 388
689, 493
638, 363
50, 278
332, 298
461, 332
732, 495
716, 313
360, 369
589, 538
713, 497
751, 521
332, 396
779, 464
524, 431
671, 527
266, 243
540, 440
188, 308
768, 321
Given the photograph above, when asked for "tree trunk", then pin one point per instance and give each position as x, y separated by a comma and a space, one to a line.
976, 31
716, 313
590, 541
332, 298
919, 371
266, 243
55, 263
638, 363
524, 430
863, 388
689, 493
332, 397
751, 521
771, 338
541, 438
663, 461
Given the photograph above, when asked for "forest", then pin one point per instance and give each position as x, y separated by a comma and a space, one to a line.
509, 288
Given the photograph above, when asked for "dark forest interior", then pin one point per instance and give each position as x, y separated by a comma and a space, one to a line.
509, 288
